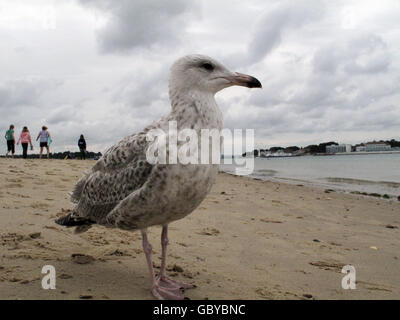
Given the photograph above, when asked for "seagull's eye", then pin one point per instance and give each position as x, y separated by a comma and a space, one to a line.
207, 66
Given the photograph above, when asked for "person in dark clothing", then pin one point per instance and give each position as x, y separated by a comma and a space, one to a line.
82, 147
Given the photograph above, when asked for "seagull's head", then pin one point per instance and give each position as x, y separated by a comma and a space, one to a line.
202, 73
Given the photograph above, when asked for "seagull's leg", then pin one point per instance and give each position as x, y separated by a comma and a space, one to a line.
158, 291
164, 280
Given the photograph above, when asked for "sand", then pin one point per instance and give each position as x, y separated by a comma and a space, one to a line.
249, 239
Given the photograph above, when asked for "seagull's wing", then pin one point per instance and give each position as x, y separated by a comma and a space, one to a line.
142, 207
127, 154
122, 170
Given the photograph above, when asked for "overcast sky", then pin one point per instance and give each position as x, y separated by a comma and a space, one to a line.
330, 69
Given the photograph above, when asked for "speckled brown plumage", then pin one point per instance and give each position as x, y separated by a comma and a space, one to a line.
124, 190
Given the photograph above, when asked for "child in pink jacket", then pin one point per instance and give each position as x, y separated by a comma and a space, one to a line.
25, 138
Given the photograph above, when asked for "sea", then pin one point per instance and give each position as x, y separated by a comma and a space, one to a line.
370, 173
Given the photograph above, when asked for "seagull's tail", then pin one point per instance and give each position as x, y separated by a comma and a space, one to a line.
69, 221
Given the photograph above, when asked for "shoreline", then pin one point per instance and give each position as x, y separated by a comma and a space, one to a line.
369, 175
249, 239
327, 188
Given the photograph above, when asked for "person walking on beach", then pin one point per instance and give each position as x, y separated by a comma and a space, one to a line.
44, 136
25, 138
82, 147
10, 141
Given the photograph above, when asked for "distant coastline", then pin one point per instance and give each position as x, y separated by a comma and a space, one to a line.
316, 154
329, 148
356, 153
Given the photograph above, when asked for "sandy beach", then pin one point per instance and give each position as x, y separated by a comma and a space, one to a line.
250, 239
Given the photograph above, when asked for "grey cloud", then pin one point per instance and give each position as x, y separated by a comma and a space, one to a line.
62, 114
341, 76
271, 26
141, 24
141, 87
142, 95
17, 93
353, 54
283, 119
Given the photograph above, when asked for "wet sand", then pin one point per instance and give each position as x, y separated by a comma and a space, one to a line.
249, 239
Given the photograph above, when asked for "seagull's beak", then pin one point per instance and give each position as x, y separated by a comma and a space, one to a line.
244, 80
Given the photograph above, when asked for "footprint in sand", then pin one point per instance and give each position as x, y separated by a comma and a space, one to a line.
39, 205
209, 232
29, 177
13, 185
51, 227
98, 240
119, 253
270, 221
82, 258
264, 293
13, 180
34, 235
17, 195
11, 239
373, 286
331, 265
25, 281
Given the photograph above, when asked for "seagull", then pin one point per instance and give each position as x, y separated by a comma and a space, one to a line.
124, 190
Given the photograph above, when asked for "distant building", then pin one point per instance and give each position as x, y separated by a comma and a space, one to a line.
360, 149
381, 146
338, 148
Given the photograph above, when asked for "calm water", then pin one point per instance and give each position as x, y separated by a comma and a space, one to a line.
365, 173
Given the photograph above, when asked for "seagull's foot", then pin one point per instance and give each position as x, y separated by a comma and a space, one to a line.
168, 289
174, 284
162, 292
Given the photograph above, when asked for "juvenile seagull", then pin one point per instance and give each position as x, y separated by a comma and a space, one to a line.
123, 190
